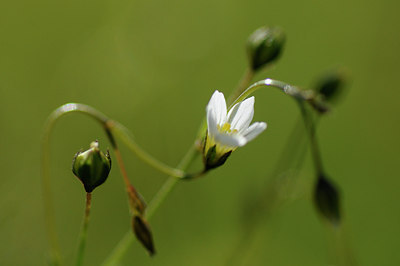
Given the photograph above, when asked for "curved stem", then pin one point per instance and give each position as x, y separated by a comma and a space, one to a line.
126, 136
126, 241
45, 168
284, 87
243, 84
108, 126
82, 241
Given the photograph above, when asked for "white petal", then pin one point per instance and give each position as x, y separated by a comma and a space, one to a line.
241, 114
254, 130
217, 106
211, 123
230, 140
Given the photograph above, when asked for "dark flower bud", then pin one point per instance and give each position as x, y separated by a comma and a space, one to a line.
143, 233
264, 46
92, 167
331, 84
326, 198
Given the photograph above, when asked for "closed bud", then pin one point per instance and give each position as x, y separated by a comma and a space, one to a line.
327, 200
264, 46
143, 233
331, 84
92, 167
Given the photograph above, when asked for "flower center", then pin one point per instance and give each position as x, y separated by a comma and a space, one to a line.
226, 128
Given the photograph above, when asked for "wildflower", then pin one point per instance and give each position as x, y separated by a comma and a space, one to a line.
228, 130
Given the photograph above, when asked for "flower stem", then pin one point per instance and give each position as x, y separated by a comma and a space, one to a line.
126, 136
110, 127
45, 168
83, 236
123, 245
243, 84
184, 164
310, 128
293, 91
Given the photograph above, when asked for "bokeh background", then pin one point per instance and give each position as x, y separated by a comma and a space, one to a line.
153, 65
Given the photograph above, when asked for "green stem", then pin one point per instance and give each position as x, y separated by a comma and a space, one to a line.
243, 84
308, 96
167, 187
83, 235
126, 136
45, 168
123, 245
108, 126
268, 201
310, 128
184, 164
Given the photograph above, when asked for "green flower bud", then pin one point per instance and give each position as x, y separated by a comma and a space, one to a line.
92, 167
264, 46
327, 200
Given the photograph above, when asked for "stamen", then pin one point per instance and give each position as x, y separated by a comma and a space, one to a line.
226, 128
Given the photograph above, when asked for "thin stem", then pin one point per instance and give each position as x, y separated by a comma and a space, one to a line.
108, 126
123, 245
121, 248
126, 136
243, 84
310, 127
301, 97
46, 181
83, 236
184, 164
128, 186
122, 167
284, 87
267, 202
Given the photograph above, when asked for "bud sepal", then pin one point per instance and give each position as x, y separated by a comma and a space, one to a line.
214, 159
143, 233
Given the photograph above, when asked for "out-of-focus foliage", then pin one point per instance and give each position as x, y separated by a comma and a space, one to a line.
153, 65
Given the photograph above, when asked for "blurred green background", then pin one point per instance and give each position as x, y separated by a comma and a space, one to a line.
153, 65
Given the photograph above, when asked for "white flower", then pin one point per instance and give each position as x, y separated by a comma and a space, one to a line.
229, 130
